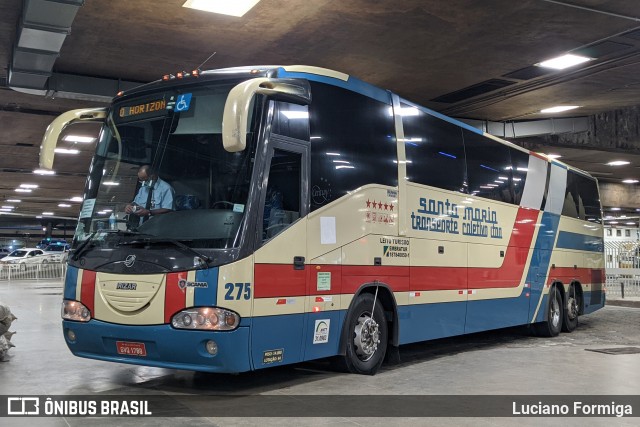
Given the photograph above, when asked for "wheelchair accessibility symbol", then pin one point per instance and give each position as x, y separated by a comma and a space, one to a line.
183, 102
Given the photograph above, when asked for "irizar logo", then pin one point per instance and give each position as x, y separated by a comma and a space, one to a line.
126, 286
130, 260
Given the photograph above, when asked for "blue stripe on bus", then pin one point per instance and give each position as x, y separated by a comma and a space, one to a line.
581, 242
353, 84
70, 283
560, 165
540, 260
588, 306
275, 335
484, 315
421, 322
330, 348
207, 296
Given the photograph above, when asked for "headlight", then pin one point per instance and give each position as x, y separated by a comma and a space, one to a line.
75, 310
206, 318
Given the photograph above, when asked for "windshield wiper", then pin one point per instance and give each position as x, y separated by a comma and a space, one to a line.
81, 249
177, 243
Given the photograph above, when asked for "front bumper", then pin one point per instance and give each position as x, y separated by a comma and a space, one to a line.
166, 347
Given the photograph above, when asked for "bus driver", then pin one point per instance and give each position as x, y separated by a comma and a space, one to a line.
155, 196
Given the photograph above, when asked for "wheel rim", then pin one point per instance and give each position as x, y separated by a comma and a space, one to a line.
572, 307
555, 310
366, 337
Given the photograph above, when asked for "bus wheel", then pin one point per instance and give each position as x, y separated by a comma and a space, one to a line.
367, 336
572, 310
552, 326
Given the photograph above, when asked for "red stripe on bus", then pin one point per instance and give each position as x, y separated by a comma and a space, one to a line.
88, 290
570, 274
175, 299
279, 280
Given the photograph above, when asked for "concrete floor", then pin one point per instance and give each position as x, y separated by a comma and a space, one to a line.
497, 363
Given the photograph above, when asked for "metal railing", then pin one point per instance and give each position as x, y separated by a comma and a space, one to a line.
623, 282
44, 271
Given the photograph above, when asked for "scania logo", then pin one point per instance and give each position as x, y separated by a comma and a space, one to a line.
130, 260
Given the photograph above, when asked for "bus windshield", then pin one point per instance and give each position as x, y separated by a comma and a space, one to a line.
197, 190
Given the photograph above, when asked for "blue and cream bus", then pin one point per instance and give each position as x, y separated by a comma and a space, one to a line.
314, 215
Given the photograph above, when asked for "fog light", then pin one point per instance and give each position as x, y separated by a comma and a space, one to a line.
212, 347
71, 335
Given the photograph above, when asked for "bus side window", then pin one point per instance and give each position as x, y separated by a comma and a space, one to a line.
352, 143
488, 166
434, 149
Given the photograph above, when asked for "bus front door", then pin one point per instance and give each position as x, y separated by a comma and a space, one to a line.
280, 270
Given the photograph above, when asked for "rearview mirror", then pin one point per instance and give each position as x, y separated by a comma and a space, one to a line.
52, 134
236, 108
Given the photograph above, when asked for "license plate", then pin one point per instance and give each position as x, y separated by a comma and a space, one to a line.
131, 348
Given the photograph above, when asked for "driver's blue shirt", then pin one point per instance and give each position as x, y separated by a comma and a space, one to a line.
161, 197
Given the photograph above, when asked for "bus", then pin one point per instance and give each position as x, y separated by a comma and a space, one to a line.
314, 215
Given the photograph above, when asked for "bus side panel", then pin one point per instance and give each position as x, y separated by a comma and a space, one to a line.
420, 322
279, 299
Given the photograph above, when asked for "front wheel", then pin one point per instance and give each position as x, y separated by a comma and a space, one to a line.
366, 336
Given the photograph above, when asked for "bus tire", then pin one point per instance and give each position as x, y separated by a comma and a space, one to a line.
553, 325
366, 336
571, 309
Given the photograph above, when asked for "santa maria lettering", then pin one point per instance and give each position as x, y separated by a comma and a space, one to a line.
444, 216
438, 216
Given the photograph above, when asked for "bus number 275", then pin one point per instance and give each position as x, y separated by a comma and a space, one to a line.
242, 291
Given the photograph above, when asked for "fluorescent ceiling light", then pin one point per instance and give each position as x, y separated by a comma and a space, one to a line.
630, 181
111, 183
564, 61
28, 185
23, 190
615, 209
44, 172
14, 200
75, 199
630, 223
559, 108
66, 151
5, 210
78, 138
64, 205
47, 213
224, 7
405, 111
8, 207
295, 114
618, 163
554, 156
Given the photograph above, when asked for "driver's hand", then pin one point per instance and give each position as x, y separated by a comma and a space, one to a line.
141, 212
128, 209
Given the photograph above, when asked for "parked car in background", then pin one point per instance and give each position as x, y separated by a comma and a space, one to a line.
59, 252
50, 241
4, 252
21, 257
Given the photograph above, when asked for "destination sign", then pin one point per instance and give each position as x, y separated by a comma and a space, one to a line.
143, 110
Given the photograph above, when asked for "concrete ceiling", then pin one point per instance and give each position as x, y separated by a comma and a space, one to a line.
466, 58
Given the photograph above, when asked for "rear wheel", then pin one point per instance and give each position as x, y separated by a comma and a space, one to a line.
571, 310
555, 313
366, 336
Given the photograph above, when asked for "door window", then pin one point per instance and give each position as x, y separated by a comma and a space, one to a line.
282, 204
